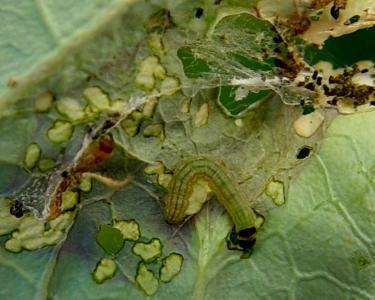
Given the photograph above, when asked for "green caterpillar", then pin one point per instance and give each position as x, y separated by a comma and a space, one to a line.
227, 193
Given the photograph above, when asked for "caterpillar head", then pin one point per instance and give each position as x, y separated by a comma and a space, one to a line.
242, 240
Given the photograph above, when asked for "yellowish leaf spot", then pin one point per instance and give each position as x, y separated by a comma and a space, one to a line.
60, 132
32, 156
201, 116
97, 98
169, 86
69, 200
105, 269
275, 190
307, 125
71, 108
46, 164
148, 251
146, 280
171, 266
129, 229
43, 103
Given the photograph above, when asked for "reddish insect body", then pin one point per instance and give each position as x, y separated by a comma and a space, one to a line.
97, 152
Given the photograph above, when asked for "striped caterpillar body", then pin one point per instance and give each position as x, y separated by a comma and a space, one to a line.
227, 192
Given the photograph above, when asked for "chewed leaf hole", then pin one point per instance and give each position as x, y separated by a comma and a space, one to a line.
199, 12
304, 152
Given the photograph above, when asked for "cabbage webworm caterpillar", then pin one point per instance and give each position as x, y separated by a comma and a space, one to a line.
227, 192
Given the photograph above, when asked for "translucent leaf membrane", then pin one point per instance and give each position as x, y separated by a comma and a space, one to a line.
242, 51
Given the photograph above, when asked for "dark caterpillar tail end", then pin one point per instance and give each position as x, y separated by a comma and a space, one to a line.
242, 240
